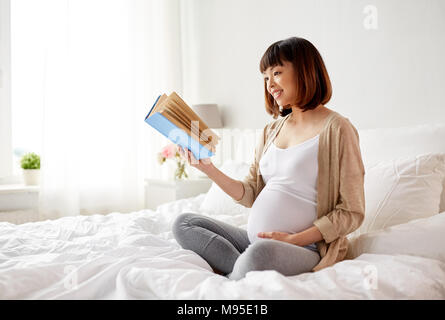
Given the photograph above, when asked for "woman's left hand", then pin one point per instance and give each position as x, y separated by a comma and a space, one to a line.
277, 235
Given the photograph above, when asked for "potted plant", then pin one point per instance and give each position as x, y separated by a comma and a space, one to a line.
30, 164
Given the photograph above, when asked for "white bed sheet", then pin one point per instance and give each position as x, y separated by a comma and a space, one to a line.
134, 256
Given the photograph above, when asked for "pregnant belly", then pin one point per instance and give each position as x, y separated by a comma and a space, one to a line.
276, 210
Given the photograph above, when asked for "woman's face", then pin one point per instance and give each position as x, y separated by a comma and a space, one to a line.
281, 83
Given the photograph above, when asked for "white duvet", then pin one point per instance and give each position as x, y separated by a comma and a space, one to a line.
134, 256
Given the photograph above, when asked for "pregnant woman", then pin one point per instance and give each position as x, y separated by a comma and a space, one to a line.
305, 186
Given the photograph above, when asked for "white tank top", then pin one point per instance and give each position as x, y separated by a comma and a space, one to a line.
288, 201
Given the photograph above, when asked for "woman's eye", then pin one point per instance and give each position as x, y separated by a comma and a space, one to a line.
275, 73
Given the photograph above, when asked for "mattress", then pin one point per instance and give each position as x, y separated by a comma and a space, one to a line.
134, 256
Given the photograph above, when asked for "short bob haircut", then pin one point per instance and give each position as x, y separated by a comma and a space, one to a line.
313, 83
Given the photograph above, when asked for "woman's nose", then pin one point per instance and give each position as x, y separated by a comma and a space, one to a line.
271, 84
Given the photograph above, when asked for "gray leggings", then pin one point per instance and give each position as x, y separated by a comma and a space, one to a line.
227, 248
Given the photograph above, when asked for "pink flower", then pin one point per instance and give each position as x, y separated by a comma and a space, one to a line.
169, 151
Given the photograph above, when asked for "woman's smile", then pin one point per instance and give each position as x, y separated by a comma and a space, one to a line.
277, 94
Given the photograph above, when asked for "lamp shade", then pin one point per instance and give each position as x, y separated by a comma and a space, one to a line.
209, 113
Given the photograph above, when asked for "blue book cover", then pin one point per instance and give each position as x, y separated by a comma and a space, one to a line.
176, 135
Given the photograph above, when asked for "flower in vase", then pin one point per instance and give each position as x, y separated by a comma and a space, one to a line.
170, 152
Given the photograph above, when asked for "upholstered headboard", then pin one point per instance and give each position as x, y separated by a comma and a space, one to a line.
378, 144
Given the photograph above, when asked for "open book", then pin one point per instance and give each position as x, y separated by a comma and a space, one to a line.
174, 119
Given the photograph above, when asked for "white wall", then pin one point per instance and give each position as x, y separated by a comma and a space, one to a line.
386, 77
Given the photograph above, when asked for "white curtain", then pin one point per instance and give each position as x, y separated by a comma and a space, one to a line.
104, 62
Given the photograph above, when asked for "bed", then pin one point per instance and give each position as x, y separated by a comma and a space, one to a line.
397, 253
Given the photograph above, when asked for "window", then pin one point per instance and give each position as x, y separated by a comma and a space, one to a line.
21, 94
5, 93
27, 61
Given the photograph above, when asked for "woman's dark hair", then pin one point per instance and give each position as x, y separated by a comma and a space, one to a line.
313, 83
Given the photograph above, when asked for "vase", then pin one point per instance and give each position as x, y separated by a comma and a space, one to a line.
31, 177
180, 171
168, 171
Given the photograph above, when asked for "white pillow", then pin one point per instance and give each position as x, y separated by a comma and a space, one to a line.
402, 190
216, 200
420, 237
384, 144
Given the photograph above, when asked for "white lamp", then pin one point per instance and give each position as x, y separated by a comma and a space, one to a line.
209, 113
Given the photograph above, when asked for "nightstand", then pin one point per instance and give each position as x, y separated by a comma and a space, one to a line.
19, 203
161, 191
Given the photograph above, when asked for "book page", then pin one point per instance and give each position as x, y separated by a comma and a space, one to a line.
175, 119
186, 112
178, 123
174, 107
181, 115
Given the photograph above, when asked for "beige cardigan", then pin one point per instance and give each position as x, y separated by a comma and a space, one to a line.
340, 184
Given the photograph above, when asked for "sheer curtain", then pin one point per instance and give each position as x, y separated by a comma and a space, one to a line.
104, 62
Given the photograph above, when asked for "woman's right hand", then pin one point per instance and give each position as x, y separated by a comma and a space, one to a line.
202, 165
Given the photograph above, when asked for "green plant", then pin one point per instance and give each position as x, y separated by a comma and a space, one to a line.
30, 161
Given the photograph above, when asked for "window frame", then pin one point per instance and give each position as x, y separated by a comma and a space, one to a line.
6, 156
